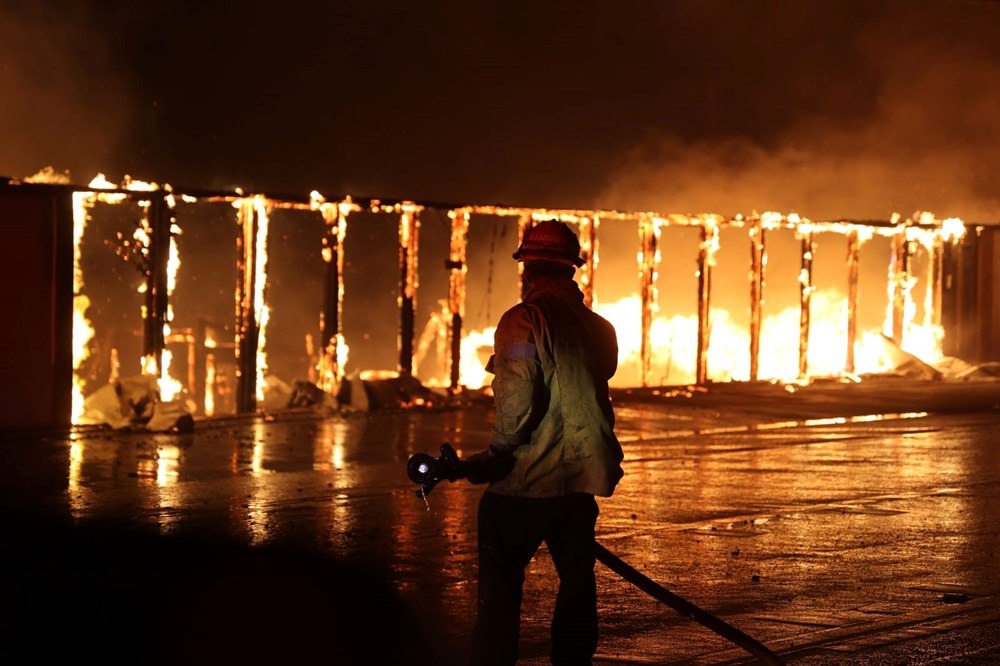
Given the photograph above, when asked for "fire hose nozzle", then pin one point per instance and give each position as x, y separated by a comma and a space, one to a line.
428, 471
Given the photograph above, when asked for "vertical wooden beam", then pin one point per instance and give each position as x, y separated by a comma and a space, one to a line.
409, 230
588, 247
201, 353
805, 302
648, 257
853, 251
968, 296
936, 271
457, 270
757, 254
899, 273
246, 322
950, 320
988, 301
524, 222
159, 219
335, 217
706, 254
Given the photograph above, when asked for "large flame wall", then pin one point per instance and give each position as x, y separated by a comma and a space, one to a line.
232, 298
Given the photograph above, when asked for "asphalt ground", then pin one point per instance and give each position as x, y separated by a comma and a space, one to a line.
834, 523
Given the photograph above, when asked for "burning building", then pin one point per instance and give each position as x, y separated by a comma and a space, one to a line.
124, 297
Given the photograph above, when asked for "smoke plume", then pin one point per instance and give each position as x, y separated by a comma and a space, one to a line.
61, 104
927, 143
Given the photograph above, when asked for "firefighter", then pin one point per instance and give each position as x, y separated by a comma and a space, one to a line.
552, 449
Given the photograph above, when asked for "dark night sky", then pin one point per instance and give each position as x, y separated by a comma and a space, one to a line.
831, 109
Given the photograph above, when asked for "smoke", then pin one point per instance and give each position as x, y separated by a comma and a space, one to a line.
61, 103
928, 141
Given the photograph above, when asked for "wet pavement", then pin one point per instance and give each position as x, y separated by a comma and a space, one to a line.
835, 523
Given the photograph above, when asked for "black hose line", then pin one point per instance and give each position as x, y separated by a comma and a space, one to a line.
428, 471
685, 607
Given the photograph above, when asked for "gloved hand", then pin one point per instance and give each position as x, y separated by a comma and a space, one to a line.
429, 471
488, 465
483, 467
451, 467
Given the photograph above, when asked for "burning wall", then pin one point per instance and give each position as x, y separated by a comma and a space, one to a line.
228, 299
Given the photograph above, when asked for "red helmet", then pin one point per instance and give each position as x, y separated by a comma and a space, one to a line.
550, 240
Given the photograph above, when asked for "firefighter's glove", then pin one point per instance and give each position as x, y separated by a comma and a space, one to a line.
489, 465
450, 465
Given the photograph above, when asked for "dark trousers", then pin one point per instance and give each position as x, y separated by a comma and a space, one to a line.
510, 531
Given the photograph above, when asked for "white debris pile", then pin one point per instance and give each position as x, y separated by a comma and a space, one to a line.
134, 402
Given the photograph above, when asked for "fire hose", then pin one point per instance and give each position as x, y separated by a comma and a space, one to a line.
429, 471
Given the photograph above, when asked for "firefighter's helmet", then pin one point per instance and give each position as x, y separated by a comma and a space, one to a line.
550, 240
